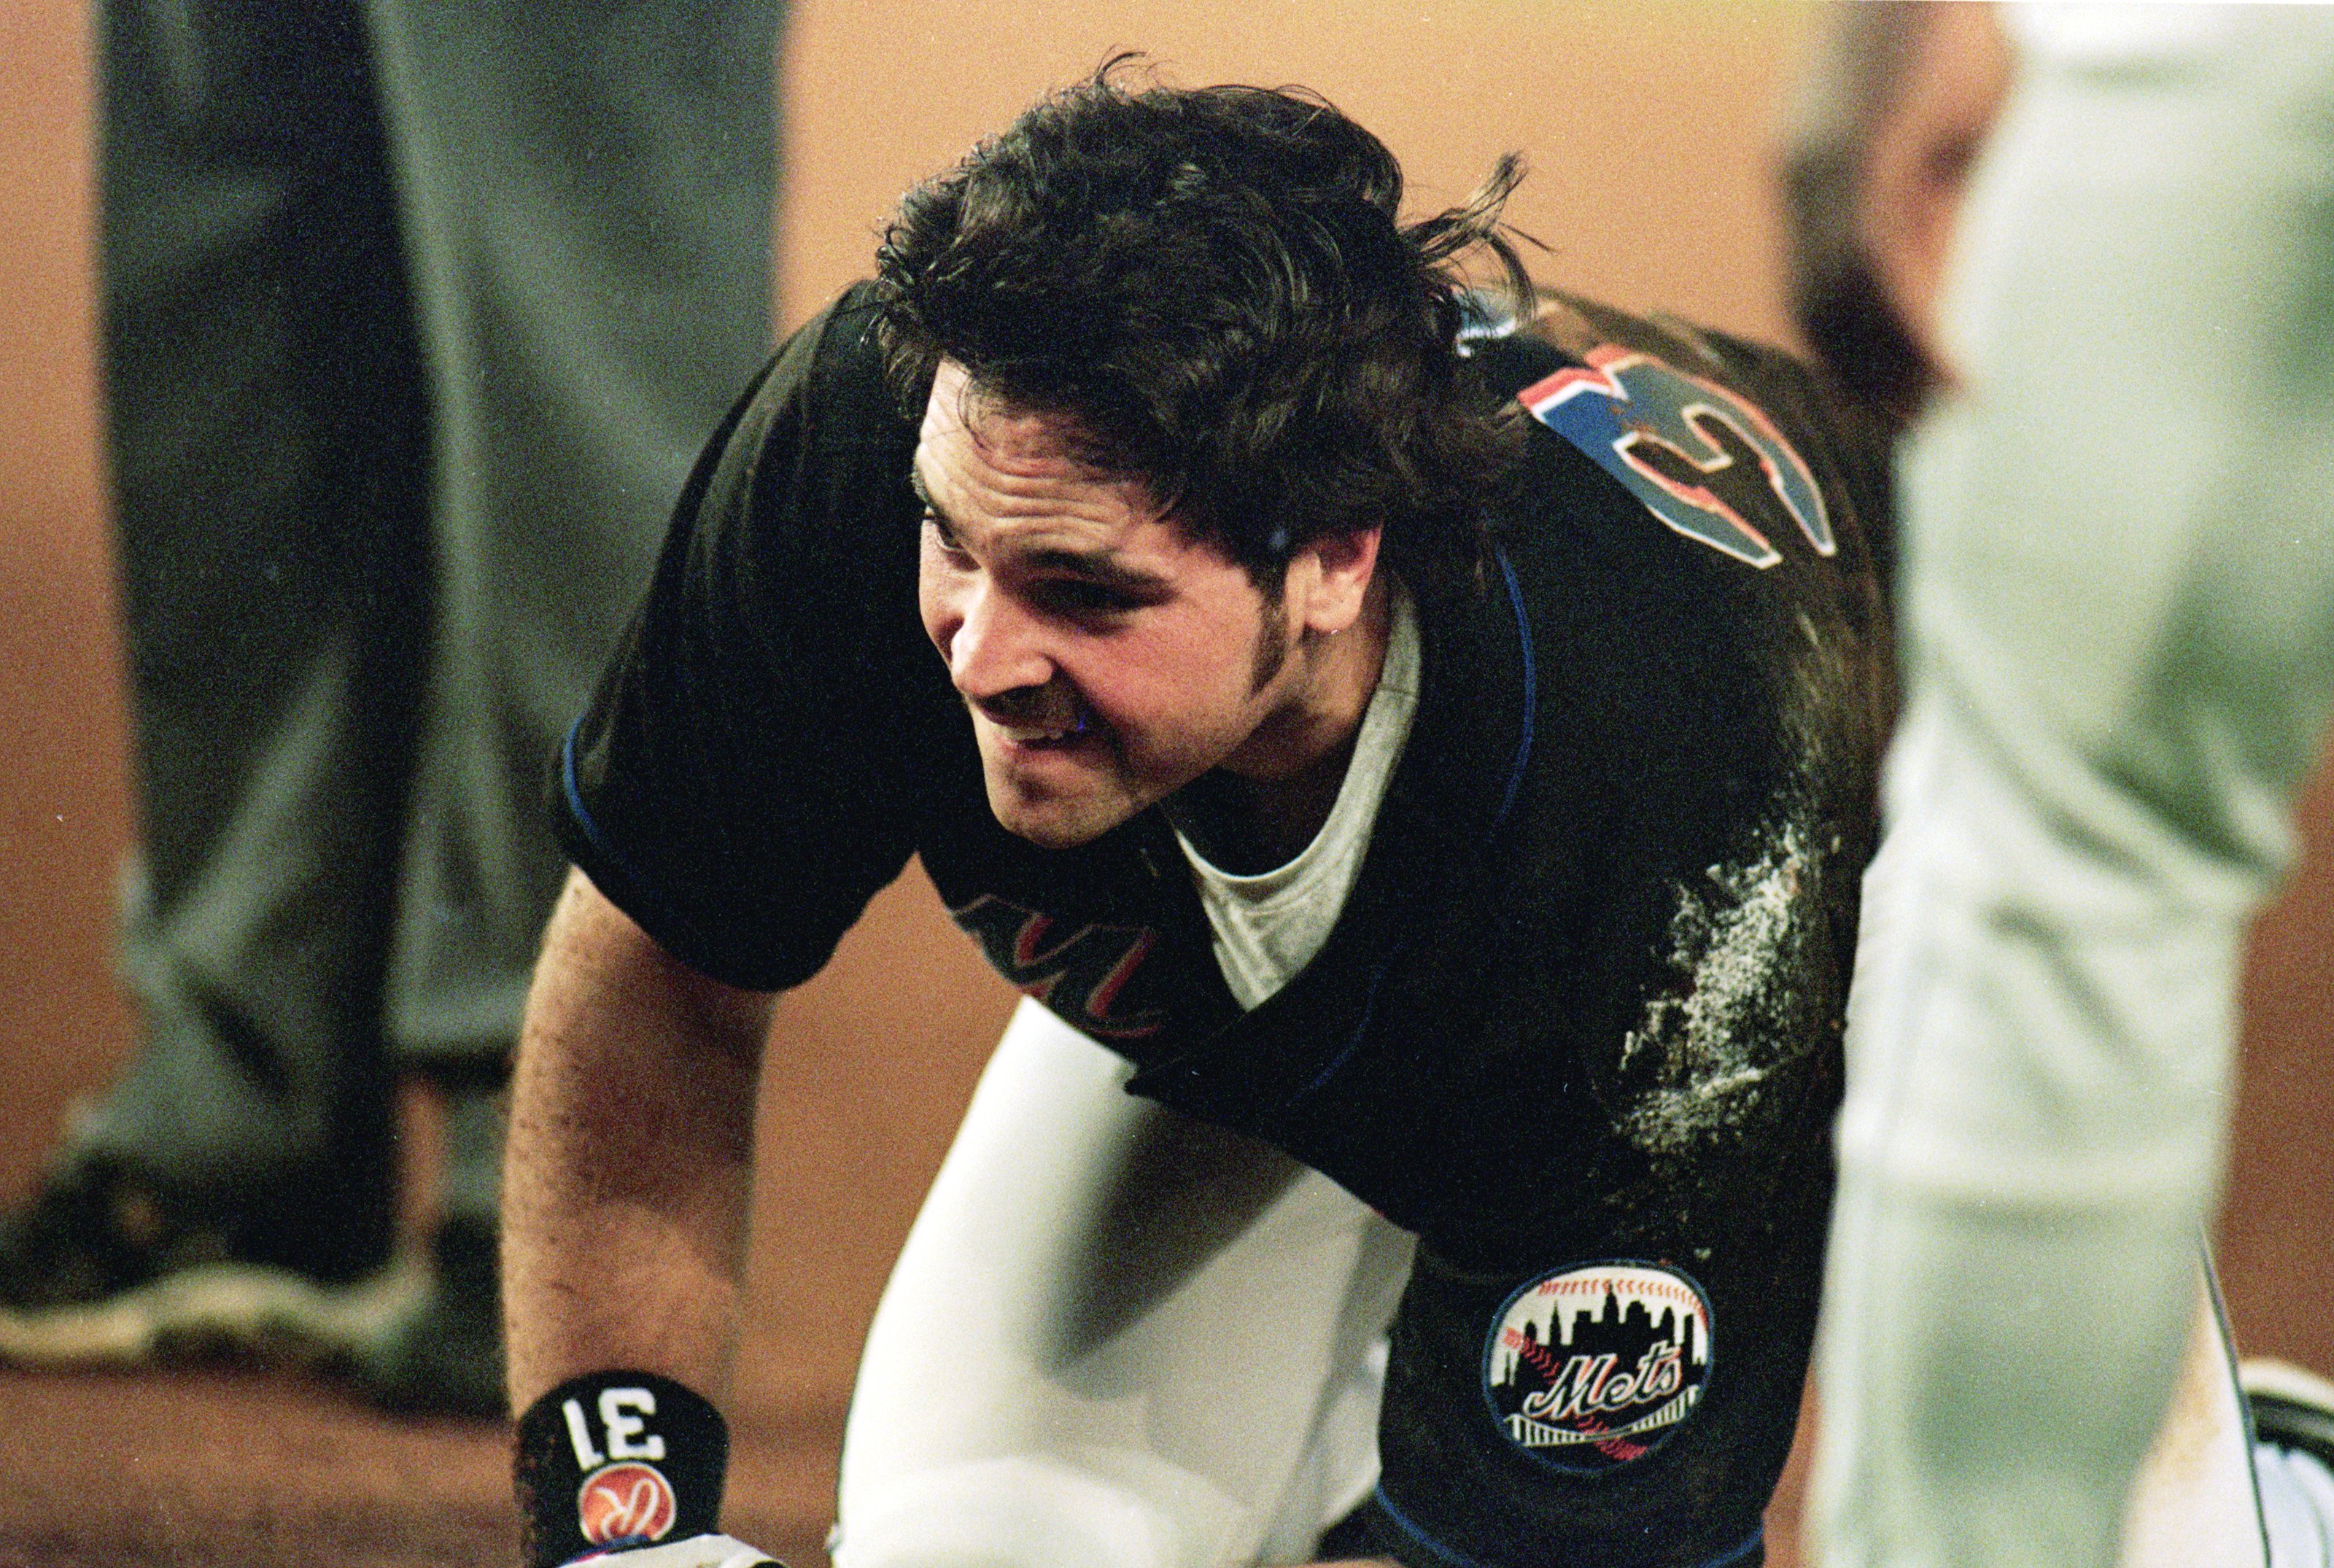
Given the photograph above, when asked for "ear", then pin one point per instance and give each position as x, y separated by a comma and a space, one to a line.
1329, 580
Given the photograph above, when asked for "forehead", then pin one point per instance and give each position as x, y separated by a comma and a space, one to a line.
980, 460
961, 409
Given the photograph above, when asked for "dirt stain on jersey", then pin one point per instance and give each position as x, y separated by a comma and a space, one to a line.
1709, 1044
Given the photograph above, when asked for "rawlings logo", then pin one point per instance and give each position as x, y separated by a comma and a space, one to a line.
1078, 974
627, 1501
1675, 441
1590, 1367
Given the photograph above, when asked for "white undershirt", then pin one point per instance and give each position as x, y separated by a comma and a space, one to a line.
1267, 927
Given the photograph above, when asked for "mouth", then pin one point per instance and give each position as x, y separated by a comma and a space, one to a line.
1051, 732
1035, 736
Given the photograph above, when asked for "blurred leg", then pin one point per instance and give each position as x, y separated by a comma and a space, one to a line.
587, 194
266, 434
2119, 559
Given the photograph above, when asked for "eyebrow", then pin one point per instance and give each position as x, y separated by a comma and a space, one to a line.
1101, 570
1095, 566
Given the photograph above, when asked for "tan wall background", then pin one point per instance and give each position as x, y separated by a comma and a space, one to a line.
1647, 128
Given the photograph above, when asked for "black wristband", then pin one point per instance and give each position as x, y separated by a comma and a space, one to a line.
617, 1458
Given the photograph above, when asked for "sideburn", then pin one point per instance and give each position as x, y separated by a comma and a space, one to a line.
1271, 645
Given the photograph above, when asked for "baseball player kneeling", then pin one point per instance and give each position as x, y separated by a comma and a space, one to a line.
1420, 742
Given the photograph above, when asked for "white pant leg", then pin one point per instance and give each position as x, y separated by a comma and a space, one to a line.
2119, 601
1116, 1338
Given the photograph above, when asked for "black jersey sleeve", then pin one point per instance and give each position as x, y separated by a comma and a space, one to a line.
742, 782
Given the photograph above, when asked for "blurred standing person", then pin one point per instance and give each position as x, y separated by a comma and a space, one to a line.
414, 316
2119, 651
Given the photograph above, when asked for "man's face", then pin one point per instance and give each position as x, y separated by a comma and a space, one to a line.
1918, 160
1106, 660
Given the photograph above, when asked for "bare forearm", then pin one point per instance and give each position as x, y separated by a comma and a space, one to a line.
630, 1159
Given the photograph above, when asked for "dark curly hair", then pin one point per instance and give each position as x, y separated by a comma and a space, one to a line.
1211, 285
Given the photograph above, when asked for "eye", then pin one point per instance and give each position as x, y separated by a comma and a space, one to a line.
943, 534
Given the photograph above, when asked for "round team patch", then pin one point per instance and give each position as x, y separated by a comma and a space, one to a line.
625, 1501
1591, 1367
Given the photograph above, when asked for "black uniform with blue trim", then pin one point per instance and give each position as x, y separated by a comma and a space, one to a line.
1578, 1022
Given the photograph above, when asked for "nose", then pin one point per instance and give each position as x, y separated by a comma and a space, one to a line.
995, 646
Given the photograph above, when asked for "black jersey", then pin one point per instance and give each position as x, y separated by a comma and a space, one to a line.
1578, 1022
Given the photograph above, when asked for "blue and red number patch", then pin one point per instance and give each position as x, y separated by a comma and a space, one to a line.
1671, 438
1596, 1365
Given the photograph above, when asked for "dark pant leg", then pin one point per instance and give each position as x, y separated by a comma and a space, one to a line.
587, 193
265, 426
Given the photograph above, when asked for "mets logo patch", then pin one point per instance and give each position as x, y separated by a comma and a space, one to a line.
625, 1501
1594, 1366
